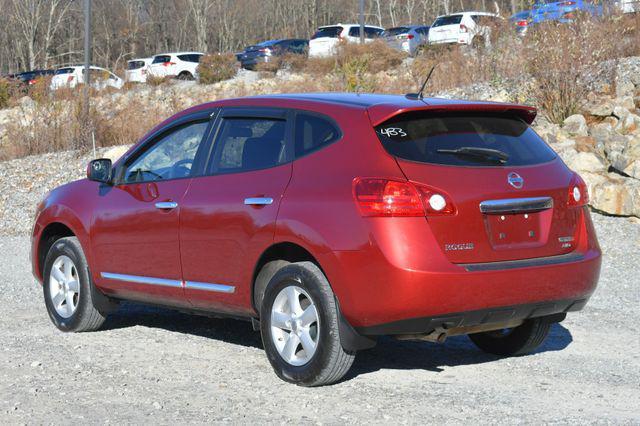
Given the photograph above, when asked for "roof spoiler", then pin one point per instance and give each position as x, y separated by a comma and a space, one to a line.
383, 112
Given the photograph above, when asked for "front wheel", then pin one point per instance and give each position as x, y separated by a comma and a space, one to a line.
520, 340
299, 327
68, 291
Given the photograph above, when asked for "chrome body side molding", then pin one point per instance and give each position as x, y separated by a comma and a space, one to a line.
516, 205
193, 285
218, 288
141, 280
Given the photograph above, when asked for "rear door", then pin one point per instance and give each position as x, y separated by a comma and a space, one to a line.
513, 208
228, 216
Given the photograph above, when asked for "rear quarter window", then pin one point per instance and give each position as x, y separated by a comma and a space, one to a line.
190, 58
313, 132
458, 140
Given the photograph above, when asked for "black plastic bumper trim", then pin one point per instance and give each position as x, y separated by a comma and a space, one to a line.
554, 310
524, 263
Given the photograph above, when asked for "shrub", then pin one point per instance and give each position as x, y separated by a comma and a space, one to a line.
217, 67
377, 56
155, 81
9, 90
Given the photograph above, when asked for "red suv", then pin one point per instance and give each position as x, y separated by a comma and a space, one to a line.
328, 220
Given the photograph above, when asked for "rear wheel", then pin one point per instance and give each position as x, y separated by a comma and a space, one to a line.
68, 291
519, 340
185, 75
299, 326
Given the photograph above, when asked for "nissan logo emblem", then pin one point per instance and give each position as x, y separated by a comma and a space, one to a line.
515, 180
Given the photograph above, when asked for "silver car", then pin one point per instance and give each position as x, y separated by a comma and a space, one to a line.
408, 38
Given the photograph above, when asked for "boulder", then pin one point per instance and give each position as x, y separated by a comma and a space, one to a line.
586, 162
586, 144
614, 194
576, 125
628, 124
600, 108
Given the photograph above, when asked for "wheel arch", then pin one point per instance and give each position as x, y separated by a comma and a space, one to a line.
292, 252
49, 235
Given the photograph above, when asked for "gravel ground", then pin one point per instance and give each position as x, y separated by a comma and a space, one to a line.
155, 365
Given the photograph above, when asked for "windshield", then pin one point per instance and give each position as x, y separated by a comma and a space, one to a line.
463, 140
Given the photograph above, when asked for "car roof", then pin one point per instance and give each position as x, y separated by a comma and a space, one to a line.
411, 27
467, 12
379, 107
139, 59
178, 53
349, 25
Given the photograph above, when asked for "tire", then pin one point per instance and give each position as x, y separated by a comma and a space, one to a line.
328, 362
520, 340
77, 312
262, 280
185, 75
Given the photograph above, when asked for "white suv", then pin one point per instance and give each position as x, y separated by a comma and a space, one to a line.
73, 75
325, 41
137, 70
181, 65
471, 28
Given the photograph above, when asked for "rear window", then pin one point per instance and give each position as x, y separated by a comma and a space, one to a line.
447, 20
161, 59
134, 65
195, 58
396, 31
369, 32
64, 71
332, 32
464, 140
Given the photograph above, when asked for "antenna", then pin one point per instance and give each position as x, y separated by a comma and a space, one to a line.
419, 95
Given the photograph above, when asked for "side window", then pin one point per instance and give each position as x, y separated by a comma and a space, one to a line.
370, 32
247, 144
170, 157
312, 133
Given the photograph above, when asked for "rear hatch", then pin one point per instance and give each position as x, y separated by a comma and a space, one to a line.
445, 29
324, 40
508, 187
396, 36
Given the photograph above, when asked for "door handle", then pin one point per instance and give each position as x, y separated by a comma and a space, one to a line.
258, 201
166, 205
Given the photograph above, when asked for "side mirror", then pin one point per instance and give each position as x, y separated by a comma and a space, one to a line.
100, 170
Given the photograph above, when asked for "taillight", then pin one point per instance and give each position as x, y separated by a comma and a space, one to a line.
31, 82
168, 64
390, 198
578, 192
410, 36
70, 79
569, 15
522, 23
463, 28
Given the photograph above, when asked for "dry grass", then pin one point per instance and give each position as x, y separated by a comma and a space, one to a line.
217, 67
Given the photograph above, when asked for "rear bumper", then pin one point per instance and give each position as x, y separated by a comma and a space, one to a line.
394, 279
497, 315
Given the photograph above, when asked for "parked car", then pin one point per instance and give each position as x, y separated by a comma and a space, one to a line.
471, 28
266, 51
29, 78
628, 6
326, 40
181, 65
408, 38
137, 70
521, 21
71, 76
566, 10
328, 220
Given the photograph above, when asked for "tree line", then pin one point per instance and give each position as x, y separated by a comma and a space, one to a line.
49, 33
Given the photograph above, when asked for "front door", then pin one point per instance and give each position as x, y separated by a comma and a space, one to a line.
228, 217
136, 226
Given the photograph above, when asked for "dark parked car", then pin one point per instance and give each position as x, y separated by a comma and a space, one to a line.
329, 220
29, 78
267, 51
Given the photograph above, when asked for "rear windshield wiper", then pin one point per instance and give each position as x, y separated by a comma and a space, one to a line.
484, 153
